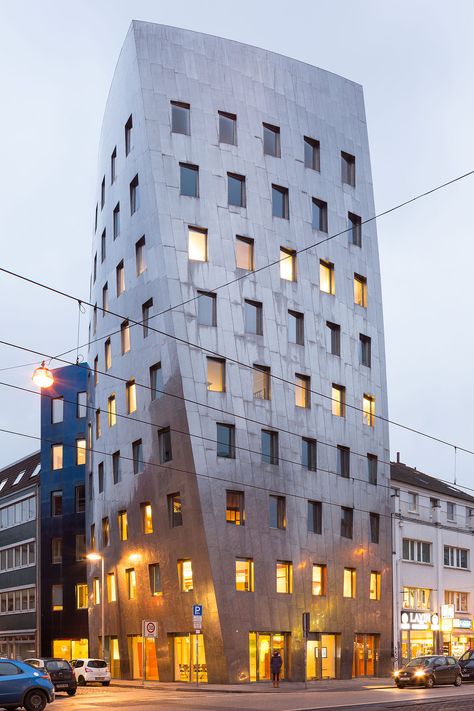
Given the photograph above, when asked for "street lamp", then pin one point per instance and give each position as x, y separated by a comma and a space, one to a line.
94, 557
43, 377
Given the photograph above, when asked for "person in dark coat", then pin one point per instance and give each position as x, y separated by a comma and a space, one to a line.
275, 667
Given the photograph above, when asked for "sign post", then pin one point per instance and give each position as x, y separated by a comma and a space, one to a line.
149, 630
306, 625
197, 622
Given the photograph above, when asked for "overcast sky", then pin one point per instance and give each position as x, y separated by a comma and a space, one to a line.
414, 59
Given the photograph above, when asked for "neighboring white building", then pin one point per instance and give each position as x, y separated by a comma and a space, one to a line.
433, 545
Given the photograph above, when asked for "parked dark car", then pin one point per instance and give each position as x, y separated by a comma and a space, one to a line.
466, 662
428, 671
22, 685
60, 671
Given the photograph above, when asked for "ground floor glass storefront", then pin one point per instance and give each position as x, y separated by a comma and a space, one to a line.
261, 647
70, 648
19, 646
139, 656
417, 643
323, 656
185, 655
366, 655
455, 644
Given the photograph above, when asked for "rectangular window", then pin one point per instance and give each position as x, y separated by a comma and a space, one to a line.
116, 221
131, 396
280, 202
137, 456
368, 410
185, 575
319, 580
349, 588
105, 298
131, 578
355, 229
455, 557
347, 516
451, 511
269, 447
57, 456
103, 246
311, 154
120, 278
236, 190
207, 308
81, 405
197, 244
253, 312
320, 215
96, 591
92, 537
458, 599
56, 503
80, 546
417, 551
334, 338
123, 525
80, 451
80, 498
147, 517
156, 380
225, 441
100, 476
105, 532
56, 550
412, 502
140, 261
374, 520
348, 169
343, 461
57, 598
360, 290
261, 382
164, 445
235, 509
315, 517
116, 467
125, 337
95, 217
96, 370
308, 453
189, 180
244, 574
134, 195
365, 350
216, 375
375, 584
338, 397
111, 411
97, 424
108, 354
128, 135
287, 264
111, 588
227, 128
94, 270
57, 410
244, 249
417, 598
372, 466
175, 510
327, 281
271, 140
284, 576
295, 327
94, 320
113, 166
277, 512
180, 117
102, 193
302, 391
155, 579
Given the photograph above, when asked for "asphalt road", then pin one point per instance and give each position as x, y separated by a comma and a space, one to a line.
388, 699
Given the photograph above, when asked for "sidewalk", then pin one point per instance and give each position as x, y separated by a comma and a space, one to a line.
263, 687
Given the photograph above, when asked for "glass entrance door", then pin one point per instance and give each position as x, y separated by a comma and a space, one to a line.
184, 652
261, 647
321, 657
366, 654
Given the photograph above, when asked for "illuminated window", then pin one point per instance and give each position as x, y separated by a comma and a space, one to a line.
111, 411
244, 248
319, 215
81, 596
261, 382
355, 229
280, 206
235, 511
189, 180
147, 517
225, 441
180, 122
302, 391
123, 525
57, 598
365, 350
175, 510
57, 456
269, 447
105, 298
108, 354
253, 317
80, 451
111, 588
308, 453
451, 597
131, 396
334, 338
140, 261
347, 522
284, 577
227, 128
236, 190
134, 195
295, 327
349, 589
128, 135
343, 461
185, 574
96, 591
216, 375
156, 381
319, 580
271, 140
348, 168
81, 405
360, 290
287, 264
120, 278
137, 456
155, 579
206, 307
311, 153
368, 410
277, 512
372, 466
125, 337
244, 574
197, 244
375, 582
131, 583
105, 532
338, 398
57, 410
315, 517
97, 424
56, 550
326, 277
164, 445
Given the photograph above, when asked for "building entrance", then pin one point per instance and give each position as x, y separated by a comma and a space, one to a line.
184, 658
366, 655
261, 647
322, 655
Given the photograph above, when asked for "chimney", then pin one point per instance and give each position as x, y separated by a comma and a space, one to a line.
398, 457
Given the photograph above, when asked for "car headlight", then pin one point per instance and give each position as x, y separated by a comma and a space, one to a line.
396, 673
419, 672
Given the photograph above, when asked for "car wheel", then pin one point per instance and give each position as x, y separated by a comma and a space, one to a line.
106, 683
400, 685
458, 680
35, 701
71, 692
429, 683
81, 681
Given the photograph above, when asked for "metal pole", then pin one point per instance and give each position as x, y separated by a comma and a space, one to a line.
305, 653
143, 652
103, 607
197, 658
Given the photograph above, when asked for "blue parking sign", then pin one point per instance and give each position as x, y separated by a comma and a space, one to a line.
197, 610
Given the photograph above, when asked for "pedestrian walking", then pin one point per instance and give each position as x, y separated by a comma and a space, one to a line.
275, 667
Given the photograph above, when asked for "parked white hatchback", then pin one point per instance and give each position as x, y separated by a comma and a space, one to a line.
87, 670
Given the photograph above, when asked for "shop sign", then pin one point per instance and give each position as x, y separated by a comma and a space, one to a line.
462, 624
415, 620
435, 621
446, 626
447, 612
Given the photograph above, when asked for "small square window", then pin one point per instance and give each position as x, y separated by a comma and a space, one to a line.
207, 308
320, 215
269, 447
156, 381
372, 466
360, 290
311, 153
334, 338
343, 461
103, 246
349, 588
180, 121
140, 260
197, 240
375, 585
277, 512
368, 410
113, 166
315, 517
120, 278
284, 577
327, 281
271, 140
253, 317
128, 135
236, 190
225, 441
56, 456
147, 308
338, 398
131, 396
244, 574
302, 391
57, 410
308, 453
227, 128
319, 580
185, 575
355, 229
235, 509
287, 264
134, 195
244, 253
216, 375
347, 516
137, 456
365, 350
125, 337
280, 202
164, 445
189, 180
348, 168
374, 519
295, 327
261, 382
175, 510
116, 221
